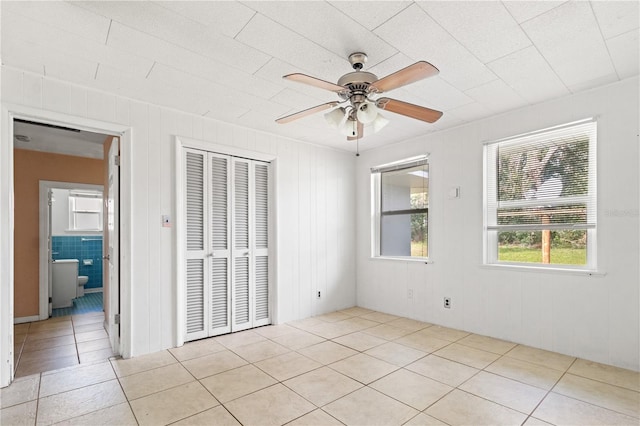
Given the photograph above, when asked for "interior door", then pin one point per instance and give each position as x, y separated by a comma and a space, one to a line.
241, 282
49, 248
113, 235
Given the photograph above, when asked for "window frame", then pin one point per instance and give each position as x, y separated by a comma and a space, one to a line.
377, 213
73, 211
491, 229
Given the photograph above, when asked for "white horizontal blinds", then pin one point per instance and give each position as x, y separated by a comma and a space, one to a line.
241, 292
241, 209
196, 279
241, 312
220, 202
260, 250
544, 181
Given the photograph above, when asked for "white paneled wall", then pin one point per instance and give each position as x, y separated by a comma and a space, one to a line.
593, 317
315, 204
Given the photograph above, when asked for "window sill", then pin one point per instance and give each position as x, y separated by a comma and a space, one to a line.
544, 269
402, 259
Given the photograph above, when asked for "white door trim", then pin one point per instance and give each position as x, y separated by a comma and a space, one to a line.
7, 114
184, 142
45, 186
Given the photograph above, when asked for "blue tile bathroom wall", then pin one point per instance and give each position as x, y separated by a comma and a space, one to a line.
87, 249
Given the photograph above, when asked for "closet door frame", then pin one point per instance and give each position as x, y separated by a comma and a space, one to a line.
182, 143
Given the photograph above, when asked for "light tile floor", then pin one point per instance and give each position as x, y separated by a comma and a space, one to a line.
354, 367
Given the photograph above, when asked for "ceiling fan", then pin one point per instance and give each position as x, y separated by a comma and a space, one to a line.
357, 91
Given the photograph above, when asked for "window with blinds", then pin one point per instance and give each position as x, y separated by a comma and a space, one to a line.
401, 209
540, 191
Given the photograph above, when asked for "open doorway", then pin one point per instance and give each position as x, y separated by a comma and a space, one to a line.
53, 327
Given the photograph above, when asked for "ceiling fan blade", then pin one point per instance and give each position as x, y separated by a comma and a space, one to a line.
408, 75
304, 113
316, 82
410, 110
360, 134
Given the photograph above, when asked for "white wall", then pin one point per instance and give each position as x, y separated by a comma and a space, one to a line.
593, 317
315, 204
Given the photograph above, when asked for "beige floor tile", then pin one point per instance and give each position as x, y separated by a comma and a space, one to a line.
327, 352
92, 318
386, 331
359, 341
315, 418
91, 335
356, 311
298, 339
21, 328
411, 388
288, 365
172, 404
43, 326
273, 331
541, 357
525, 372
255, 352
218, 416
409, 324
93, 357
363, 368
75, 377
445, 333
561, 410
423, 419
369, 407
151, 381
607, 374
22, 390
466, 355
196, 349
507, 392
233, 340
461, 408
275, 405
333, 317
67, 405
331, 330
614, 398
125, 367
93, 345
359, 324
486, 343
120, 415
83, 328
238, 382
36, 345
18, 415
422, 342
322, 386
532, 421
305, 324
396, 354
49, 353
209, 365
27, 368
440, 369
379, 317
47, 334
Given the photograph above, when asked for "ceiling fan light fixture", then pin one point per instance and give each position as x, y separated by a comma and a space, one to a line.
349, 127
335, 117
367, 112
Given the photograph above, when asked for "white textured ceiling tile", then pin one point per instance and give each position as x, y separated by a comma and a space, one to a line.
13, 56
370, 14
417, 35
524, 10
497, 96
569, 39
295, 99
529, 75
624, 51
276, 40
617, 17
470, 112
326, 26
64, 15
467, 22
590, 84
275, 69
438, 94
225, 17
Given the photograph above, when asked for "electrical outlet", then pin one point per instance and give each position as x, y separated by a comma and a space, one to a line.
318, 295
410, 293
447, 302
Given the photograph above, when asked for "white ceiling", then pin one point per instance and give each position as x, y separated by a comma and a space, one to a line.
58, 140
225, 59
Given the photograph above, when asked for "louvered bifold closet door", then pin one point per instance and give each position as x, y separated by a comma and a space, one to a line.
196, 279
261, 243
220, 231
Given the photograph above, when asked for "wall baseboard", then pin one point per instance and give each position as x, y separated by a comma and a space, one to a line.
93, 290
22, 320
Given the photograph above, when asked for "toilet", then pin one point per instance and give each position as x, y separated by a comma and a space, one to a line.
82, 280
64, 282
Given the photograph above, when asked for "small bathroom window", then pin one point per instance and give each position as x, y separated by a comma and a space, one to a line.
85, 210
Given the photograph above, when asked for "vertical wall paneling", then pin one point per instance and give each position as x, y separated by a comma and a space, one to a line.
304, 230
158, 124
32, 90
